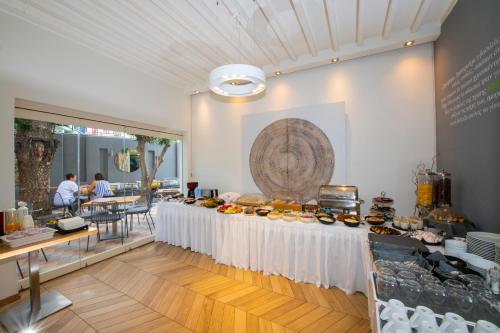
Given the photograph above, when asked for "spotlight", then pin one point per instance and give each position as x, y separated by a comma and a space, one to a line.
29, 330
196, 92
277, 73
334, 60
409, 43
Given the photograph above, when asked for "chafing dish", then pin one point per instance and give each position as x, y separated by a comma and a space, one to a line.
342, 198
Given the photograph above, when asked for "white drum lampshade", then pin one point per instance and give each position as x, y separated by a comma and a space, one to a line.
237, 80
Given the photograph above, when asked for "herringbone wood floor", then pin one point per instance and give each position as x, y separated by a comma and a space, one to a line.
163, 288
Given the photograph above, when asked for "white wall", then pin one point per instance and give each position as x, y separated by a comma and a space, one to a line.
41, 66
389, 102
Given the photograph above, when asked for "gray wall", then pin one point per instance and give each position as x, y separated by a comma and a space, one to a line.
468, 108
65, 160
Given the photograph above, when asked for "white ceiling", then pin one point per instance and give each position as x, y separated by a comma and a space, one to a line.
181, 41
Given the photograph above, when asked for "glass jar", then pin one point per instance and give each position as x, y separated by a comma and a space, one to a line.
425, 188
443, 189
21, 212
11, 223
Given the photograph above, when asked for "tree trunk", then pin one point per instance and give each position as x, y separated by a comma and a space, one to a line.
148, 176
35, 146
141, 148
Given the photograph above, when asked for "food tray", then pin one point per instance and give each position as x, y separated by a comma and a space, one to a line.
65, 232
41, 235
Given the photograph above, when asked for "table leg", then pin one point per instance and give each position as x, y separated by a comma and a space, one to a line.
26, 314
34, 270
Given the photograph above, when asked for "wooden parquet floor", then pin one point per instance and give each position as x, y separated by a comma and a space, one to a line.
163, 288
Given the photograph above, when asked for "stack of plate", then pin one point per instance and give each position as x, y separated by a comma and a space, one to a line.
478, 264
482, 244
497, 253
454, 247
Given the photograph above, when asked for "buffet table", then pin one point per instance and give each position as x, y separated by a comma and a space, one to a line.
326, 255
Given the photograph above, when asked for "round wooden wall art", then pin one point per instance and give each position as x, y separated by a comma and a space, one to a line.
290, 159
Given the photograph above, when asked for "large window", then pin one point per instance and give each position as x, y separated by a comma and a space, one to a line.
132, 160
58, 150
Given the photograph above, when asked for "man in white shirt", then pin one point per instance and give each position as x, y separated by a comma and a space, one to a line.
66, 191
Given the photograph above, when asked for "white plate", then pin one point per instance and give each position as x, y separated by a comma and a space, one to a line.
487, 237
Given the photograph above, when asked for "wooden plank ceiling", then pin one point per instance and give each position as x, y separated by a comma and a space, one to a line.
181, 41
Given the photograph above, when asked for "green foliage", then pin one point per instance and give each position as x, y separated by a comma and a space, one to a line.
22, 125
154, 140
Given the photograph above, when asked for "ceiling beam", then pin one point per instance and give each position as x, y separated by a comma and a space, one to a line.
158, 24
330, 22
269, 13
422, 10
91, 38
148, 38
386, 30
201, 8
240, 13
448, 10
359, 36
305, 27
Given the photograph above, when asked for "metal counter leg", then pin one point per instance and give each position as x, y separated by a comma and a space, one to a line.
26, 314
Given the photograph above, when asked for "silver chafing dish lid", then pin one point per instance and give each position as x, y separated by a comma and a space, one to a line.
338, 192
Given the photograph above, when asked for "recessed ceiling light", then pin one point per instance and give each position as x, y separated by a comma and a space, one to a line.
334, 60
277, 73
196, 92
409, 43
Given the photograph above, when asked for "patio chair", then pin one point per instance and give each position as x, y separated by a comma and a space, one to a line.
141, 209
105, 213
65, 207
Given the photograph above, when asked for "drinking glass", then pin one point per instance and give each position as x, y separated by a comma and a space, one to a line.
460, 300
450, 283
411, 291
471, 278
426, 279
406, 275
434, 297
386, 271
386, 287
488, 307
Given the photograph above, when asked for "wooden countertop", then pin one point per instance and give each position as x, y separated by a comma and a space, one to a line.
7, 252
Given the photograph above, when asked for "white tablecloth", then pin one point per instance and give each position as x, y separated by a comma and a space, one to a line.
333, 255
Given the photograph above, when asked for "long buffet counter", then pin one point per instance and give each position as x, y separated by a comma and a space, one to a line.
326, 255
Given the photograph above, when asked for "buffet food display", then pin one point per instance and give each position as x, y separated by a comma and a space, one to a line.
414, 279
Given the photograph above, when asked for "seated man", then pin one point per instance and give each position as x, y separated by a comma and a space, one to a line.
66, 191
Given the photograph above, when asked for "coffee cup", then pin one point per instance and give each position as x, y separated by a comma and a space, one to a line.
422, 314
483, 326
397, 324
393, 306
453, 323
